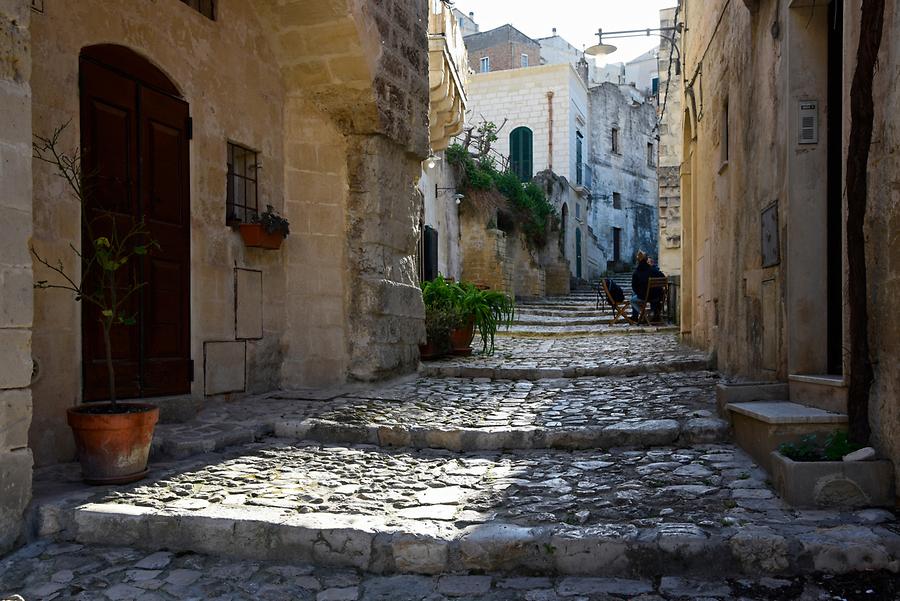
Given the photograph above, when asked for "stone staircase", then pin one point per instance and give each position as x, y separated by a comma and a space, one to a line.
589, 487
577, 314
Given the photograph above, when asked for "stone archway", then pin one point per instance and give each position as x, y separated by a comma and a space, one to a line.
356, 79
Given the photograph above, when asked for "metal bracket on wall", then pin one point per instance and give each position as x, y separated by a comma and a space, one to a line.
37, 6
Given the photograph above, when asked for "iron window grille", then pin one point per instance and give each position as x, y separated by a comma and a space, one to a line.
242, 203
207, 8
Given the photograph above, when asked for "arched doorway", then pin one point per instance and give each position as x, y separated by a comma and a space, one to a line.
134, 144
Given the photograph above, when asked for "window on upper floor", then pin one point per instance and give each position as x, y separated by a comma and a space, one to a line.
521, 149
524, 60
577, 210
654, 86
242, 203
485, 64
207, 8
614, 138
651, 155
579, 159
617, 200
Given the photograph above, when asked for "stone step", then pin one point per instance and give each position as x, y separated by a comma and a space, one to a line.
539, 312
43, 569
688, 511
544, 320
761, 427
599, 329
742, 392
828, 392
455, 369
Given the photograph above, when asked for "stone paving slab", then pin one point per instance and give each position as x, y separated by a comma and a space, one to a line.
532, 358
473, 414
677, 511
45, 570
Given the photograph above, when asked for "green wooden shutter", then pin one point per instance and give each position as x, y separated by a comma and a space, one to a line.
521, 153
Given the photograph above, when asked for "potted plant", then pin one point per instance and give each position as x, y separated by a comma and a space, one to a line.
834, 474
485, 311
439, 296
266, 230
112, 438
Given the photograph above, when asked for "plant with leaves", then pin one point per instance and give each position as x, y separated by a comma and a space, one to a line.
107, 279
488, 309
272, 222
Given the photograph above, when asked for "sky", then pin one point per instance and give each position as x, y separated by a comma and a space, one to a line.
575, 20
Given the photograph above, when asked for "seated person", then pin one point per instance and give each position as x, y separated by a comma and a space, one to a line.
640, 282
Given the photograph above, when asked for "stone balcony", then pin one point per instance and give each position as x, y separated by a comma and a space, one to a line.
447, 74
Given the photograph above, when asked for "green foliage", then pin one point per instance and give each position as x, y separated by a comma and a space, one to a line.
529, 200
808, 448
451, 305
105, 280
272, 222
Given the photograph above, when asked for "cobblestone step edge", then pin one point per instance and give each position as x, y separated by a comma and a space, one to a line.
423, 547
638, 434
433, 370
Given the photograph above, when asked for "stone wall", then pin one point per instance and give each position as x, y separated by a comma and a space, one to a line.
670, 151
882, 227
16, 309
502, 259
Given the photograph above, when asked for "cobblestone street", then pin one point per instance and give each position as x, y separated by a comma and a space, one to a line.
596, 468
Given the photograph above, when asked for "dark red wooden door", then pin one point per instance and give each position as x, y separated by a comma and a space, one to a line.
135, 161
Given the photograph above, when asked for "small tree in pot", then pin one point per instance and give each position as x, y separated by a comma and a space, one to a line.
113, 439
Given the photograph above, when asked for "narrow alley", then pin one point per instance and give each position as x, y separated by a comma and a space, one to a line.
563, 467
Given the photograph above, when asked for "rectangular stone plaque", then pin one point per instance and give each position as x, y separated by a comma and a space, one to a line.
771, 252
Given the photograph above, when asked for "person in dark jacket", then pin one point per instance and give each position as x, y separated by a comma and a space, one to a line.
640, 282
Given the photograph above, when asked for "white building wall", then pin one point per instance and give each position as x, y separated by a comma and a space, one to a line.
626, 173
442, 213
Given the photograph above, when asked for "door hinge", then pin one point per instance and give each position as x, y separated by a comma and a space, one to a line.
191, 369
189, 128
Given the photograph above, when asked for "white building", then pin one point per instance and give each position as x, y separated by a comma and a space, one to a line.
547, 128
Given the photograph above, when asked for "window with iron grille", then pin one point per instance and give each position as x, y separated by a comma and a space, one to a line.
207, 8
242, 204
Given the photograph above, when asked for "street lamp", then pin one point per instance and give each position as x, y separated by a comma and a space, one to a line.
602, 49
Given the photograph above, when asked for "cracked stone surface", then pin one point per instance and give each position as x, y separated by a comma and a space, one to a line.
533, 358
694, 505
44, 571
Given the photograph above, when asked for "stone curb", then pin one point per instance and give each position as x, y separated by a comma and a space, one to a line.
425, 547
646, 433
527, 373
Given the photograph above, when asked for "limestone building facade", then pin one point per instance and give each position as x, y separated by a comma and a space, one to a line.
327, 104
670, 147
764, 201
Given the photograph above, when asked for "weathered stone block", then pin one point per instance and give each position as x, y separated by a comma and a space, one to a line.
15, 418
15, 493
833, 483
15, 357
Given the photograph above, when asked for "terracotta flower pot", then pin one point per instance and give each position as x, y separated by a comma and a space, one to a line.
113, 447
429, 351
461, 339
256, 236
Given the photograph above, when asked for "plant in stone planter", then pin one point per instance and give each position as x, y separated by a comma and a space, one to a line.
266, 230
836, 473
112, 438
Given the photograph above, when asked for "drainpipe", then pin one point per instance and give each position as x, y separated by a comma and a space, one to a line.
550, 129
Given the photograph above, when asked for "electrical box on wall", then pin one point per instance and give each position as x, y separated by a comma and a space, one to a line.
809, 122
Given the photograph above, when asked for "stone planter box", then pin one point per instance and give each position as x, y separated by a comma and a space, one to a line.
833, 483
